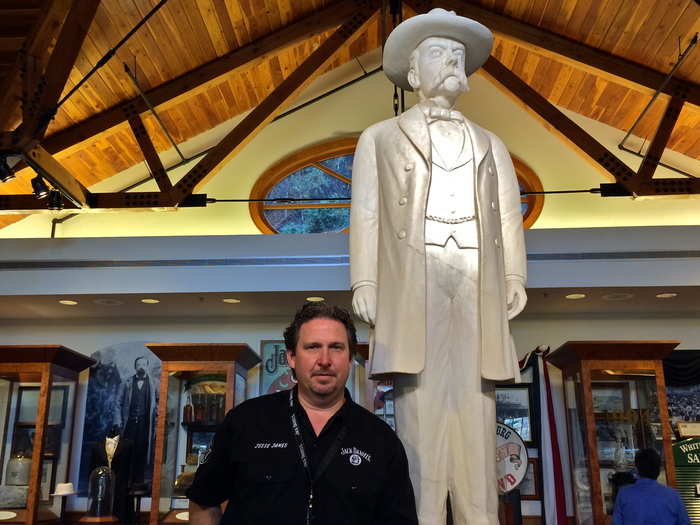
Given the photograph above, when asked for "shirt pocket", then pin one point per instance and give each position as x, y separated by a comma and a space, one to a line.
273, 492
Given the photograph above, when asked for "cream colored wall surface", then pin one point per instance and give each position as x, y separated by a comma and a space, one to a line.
350, 111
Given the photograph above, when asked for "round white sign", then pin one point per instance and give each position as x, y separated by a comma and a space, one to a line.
511, 458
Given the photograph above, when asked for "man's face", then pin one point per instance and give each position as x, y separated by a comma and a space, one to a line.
439, 70
141, 366
322, 358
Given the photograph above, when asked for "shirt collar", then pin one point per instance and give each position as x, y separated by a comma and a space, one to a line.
434, 113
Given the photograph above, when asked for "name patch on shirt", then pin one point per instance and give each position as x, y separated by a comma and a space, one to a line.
356, 455
281, 444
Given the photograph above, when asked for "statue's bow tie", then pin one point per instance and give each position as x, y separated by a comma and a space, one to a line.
444, 114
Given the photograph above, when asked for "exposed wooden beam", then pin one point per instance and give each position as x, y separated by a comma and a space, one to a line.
564, 49
150, 153
658, 144
37, 45
43, 162
63, 57
26, 204
554, 120
266, 110
237, 61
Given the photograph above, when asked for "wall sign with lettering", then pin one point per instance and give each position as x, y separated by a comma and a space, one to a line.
511, 458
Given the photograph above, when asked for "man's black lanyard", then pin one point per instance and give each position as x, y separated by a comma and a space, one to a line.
305, 459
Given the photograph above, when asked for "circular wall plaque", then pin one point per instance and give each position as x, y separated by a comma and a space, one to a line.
511, 458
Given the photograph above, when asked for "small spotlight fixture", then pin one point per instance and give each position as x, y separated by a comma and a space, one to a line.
68, 302
150, 301
666, 295
6, 173
55, 202
576, 296
231, 300
41, 189
315, 299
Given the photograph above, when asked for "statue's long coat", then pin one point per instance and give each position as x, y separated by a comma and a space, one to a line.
391, 178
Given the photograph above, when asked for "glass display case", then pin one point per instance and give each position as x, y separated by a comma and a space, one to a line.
200, 382
37, 407
615, 405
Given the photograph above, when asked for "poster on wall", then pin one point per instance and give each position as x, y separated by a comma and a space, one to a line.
122, 397
275, 374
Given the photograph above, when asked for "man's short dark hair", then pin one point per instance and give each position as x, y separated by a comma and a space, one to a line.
319, 310
648, 463
139, 359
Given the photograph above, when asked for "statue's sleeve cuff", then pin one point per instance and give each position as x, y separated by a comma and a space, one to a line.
515, 277
359, 284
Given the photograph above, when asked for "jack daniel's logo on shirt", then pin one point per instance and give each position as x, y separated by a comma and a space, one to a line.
356, 455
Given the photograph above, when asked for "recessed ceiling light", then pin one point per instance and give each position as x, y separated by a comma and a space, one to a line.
315, 299
231, 300
618, 296
108, 302
666, 295
68, 302
575, 296
150, 301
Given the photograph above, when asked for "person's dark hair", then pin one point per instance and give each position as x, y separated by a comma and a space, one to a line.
319, 310
139, 359
648, 463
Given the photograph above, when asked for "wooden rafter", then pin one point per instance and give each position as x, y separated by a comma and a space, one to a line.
37, 46
237, 61
63, 57
266, 110
554, 119
150, 153
658, 144
564, 49
44, 163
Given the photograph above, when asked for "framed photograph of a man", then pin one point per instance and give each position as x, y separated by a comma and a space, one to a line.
513, 409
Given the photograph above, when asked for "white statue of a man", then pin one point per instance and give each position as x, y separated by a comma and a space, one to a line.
437, 259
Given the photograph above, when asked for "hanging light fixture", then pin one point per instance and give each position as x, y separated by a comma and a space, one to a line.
6, 173
55, 202
41, 189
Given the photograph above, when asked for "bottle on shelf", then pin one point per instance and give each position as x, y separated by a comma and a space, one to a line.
188, 411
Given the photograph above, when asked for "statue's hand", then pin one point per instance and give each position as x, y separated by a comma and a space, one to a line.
364, 303
515, 297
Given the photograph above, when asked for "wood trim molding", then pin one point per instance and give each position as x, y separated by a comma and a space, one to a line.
532, 182
289, 164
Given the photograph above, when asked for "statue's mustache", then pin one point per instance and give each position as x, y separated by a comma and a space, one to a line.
450, 71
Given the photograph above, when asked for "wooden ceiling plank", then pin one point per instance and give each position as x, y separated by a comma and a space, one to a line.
235, 61
150, 154
663, 133
604, 64
667, 19
640, 17
602, 15
195, 30
266, 110
623, 18
556, 121
63, 57
43, 162
225, 24
211, 21
668, 50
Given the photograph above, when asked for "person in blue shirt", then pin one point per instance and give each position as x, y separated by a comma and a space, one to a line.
647, 502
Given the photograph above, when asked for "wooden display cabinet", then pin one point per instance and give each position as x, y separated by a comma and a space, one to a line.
37, 401
216, 374
615, 405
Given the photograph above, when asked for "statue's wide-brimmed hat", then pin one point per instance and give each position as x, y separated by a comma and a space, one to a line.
477, 39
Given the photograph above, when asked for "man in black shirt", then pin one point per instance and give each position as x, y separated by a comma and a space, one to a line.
309, 455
